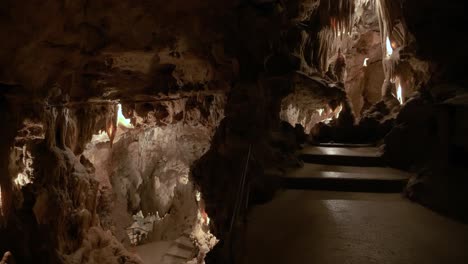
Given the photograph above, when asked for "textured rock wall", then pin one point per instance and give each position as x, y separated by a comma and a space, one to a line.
63, 55
57, 210
101, 47
271, 41
313, 100
153, 56
146, 165
427, 136
364, 82
77, 203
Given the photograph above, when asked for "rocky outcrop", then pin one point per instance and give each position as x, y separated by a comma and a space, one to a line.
427, 135
147, 165
79, 205
57, 208
71, 176
112, 47
439, 182
365, 74
313, 100
166, 73
67, 64
268, 65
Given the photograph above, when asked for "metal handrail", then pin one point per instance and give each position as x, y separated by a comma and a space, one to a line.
238, 204
240, 192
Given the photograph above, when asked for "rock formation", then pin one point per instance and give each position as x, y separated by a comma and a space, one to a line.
190, 110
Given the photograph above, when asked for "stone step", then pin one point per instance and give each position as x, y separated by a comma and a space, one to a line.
346, 178
179, 254
182, 249
170, 259
185, 243
152, 253
356, 156
343, 145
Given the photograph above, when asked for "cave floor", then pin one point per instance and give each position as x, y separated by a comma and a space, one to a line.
303, 226
152, 252
179, 251
345, 206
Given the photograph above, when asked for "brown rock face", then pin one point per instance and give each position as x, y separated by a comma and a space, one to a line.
426, 136
168, 65
147, 165
65, 61
111, 107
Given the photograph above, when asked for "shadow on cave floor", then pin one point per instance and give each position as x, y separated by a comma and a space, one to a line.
331, 213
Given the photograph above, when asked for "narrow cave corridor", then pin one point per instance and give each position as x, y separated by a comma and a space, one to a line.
233, 131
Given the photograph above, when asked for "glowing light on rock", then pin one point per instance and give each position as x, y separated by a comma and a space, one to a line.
338, 111
205, 218
327, 121
184, 180
389, 48
343, 33
100, 137
400, 93
399, 89
333, 23
25, 177
121, 120
365, 62
320, 111
22, 179
197, 196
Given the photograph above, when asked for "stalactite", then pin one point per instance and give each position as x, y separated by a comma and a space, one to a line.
111, 125
337, 19
388, 12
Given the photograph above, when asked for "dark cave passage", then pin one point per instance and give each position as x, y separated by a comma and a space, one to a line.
237, 131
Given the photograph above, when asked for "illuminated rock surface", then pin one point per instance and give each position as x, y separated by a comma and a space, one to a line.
193, 111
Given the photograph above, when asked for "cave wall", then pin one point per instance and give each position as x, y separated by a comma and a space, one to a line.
67, 54
146, 165
364, 82
312, 100
427, 136
102, 47
64, 54
57, 209
269, 58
